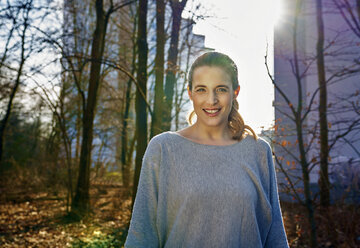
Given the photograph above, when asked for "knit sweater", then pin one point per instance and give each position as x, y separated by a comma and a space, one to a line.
196, 195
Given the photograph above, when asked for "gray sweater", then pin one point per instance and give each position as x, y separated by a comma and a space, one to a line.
195, 195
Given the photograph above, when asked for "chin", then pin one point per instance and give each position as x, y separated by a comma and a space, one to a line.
213, 123
206, 121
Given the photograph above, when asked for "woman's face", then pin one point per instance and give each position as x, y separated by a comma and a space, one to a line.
212, 95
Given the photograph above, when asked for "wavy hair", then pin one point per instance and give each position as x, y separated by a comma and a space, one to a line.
235, 121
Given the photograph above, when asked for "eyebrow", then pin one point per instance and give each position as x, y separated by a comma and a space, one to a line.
222, 85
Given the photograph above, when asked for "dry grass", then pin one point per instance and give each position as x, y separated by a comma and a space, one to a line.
337, 226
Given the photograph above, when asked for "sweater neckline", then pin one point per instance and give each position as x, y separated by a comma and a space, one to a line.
206, 145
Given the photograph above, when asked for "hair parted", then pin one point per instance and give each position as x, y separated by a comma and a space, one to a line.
235, 121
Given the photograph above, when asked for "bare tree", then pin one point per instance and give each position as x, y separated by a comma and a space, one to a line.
296, 112
19, 16
126, 151
81, 201
324, 146
350, 13
57, 107
177, 8
141, 104
156, 123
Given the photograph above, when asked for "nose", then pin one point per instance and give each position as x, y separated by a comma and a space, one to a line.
212, 98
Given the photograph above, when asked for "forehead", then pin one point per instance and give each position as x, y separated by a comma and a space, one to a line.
210, 75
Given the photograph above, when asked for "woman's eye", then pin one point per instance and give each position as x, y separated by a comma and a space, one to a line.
200, 90
222, 90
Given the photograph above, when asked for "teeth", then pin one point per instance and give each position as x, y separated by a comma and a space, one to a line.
211, 111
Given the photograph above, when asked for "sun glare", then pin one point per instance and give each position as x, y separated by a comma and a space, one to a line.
278, 11
244, 34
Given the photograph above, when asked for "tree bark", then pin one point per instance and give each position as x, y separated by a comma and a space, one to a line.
78, 74
156, 124
126, 164
170, 81
324, 147
66, 141
299, 131
306, 180
125, 161
78, 128
81, 201
125, 169
358, 9
140, 104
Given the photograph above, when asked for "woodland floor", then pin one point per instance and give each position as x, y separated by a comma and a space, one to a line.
39, 220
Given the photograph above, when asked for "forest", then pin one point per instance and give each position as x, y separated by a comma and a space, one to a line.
85, 85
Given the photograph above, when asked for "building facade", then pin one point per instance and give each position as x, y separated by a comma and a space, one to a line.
296, 76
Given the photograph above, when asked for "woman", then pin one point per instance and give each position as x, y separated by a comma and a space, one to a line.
213, 183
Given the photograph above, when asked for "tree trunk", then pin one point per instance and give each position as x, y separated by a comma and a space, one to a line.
358, 9
324, 147
126, 164
299, 130
170, 81
306, 181
125, 169
81, 202
125, 161
78, 128
156, 122
140, 104
67, 144
78, 75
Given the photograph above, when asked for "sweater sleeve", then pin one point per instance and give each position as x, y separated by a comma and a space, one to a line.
276, 236
143, 231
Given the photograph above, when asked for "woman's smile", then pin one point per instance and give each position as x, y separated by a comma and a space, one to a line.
212, 112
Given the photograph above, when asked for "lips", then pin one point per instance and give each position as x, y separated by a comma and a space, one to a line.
212, 112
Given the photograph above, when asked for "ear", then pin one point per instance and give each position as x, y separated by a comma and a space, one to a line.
189, 92
236, 91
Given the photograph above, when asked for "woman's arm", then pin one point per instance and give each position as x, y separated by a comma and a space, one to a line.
276, 237
143, 231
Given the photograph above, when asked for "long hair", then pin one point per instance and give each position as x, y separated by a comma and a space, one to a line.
235, 121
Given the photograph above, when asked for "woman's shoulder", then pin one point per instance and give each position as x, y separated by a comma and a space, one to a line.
158, 144
162, 138
259, 143
264, 143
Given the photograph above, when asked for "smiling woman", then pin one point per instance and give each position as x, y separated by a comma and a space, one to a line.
215, 105
213, 183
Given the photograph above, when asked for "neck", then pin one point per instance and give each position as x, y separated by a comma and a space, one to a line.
221, 133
